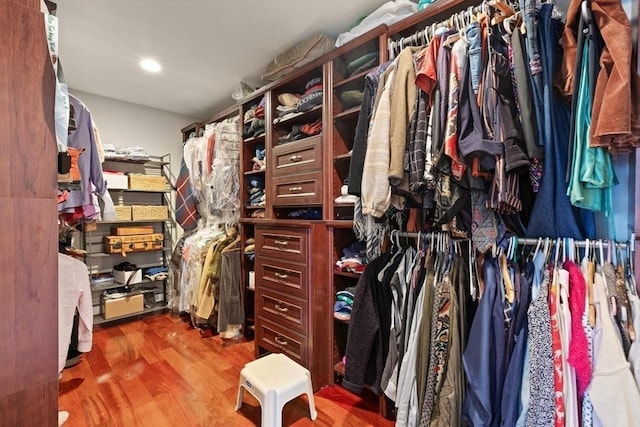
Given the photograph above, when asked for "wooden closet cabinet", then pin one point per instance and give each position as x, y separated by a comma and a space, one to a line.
293, 299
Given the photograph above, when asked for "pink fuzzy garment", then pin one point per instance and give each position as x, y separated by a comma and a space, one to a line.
579, 346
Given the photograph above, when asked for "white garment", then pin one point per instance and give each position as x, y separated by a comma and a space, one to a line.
376, 191
73, 292
408, 413
570, 391
613, 391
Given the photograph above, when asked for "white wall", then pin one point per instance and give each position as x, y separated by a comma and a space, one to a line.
130, 125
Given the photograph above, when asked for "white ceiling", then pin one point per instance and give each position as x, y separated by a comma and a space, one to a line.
206, 47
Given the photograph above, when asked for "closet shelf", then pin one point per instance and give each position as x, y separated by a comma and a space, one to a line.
255, 139
129, 190
307, 116
99, 319
139, 162
132, 222
351, 112
250, 289
103, 254
347, 274
338, 368
346, 322
340, 223
252, 172
109, 270
351, 79
343, 205
346, 156
113, 285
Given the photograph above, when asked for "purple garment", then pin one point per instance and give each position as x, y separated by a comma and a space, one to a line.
88, 162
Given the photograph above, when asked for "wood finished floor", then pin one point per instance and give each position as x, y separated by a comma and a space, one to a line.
158, 372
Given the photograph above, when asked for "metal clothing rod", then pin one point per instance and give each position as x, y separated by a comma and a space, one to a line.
579, 243
521, 240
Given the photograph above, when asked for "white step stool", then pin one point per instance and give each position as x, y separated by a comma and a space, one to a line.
274, 380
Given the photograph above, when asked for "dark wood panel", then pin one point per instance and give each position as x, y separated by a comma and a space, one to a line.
282, 309
37, 406
297, 190
29, 308
26, 105
298, 156
28, 254
282, 276
279, 339
31, 4
282, 243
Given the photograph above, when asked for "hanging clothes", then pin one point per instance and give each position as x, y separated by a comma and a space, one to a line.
611, 373
616, 124
565, 220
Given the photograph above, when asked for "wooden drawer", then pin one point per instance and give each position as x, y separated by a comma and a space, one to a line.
282, 243
298, 156
279, 339
282, 310
281, 276
300, 189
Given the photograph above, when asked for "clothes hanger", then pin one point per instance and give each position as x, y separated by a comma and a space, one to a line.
630, 261
601, 248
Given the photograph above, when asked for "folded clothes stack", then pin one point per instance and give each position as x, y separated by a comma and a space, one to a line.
133, 154
344, 304
259, 163
345, 197
362, 63
351, 98
256, 191
250, 248
308, 213
352, 260
302, 131
292, 105
156, 273
254, 121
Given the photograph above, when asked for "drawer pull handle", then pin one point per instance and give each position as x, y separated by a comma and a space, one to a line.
281, 242
295, 158
295, 189
281, 275
281, 341
281, 309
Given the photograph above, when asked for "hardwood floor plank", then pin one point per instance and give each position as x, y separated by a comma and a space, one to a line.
159, 372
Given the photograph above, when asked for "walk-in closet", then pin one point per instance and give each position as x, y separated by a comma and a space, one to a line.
278, 212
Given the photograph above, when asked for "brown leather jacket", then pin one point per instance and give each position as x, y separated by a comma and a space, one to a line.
616, 111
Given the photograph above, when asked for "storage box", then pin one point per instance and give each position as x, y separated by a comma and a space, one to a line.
116, 307
116, 181
123, 213
147, 182
149, 213
133, 230
123, 276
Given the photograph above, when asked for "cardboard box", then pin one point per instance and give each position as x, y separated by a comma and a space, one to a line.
116, 181
117, 307
123, 276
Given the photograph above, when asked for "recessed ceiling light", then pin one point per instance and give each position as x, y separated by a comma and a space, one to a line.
150, 65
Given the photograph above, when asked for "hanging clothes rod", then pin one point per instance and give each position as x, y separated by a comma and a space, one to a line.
458, 20
579, 243
521, 240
